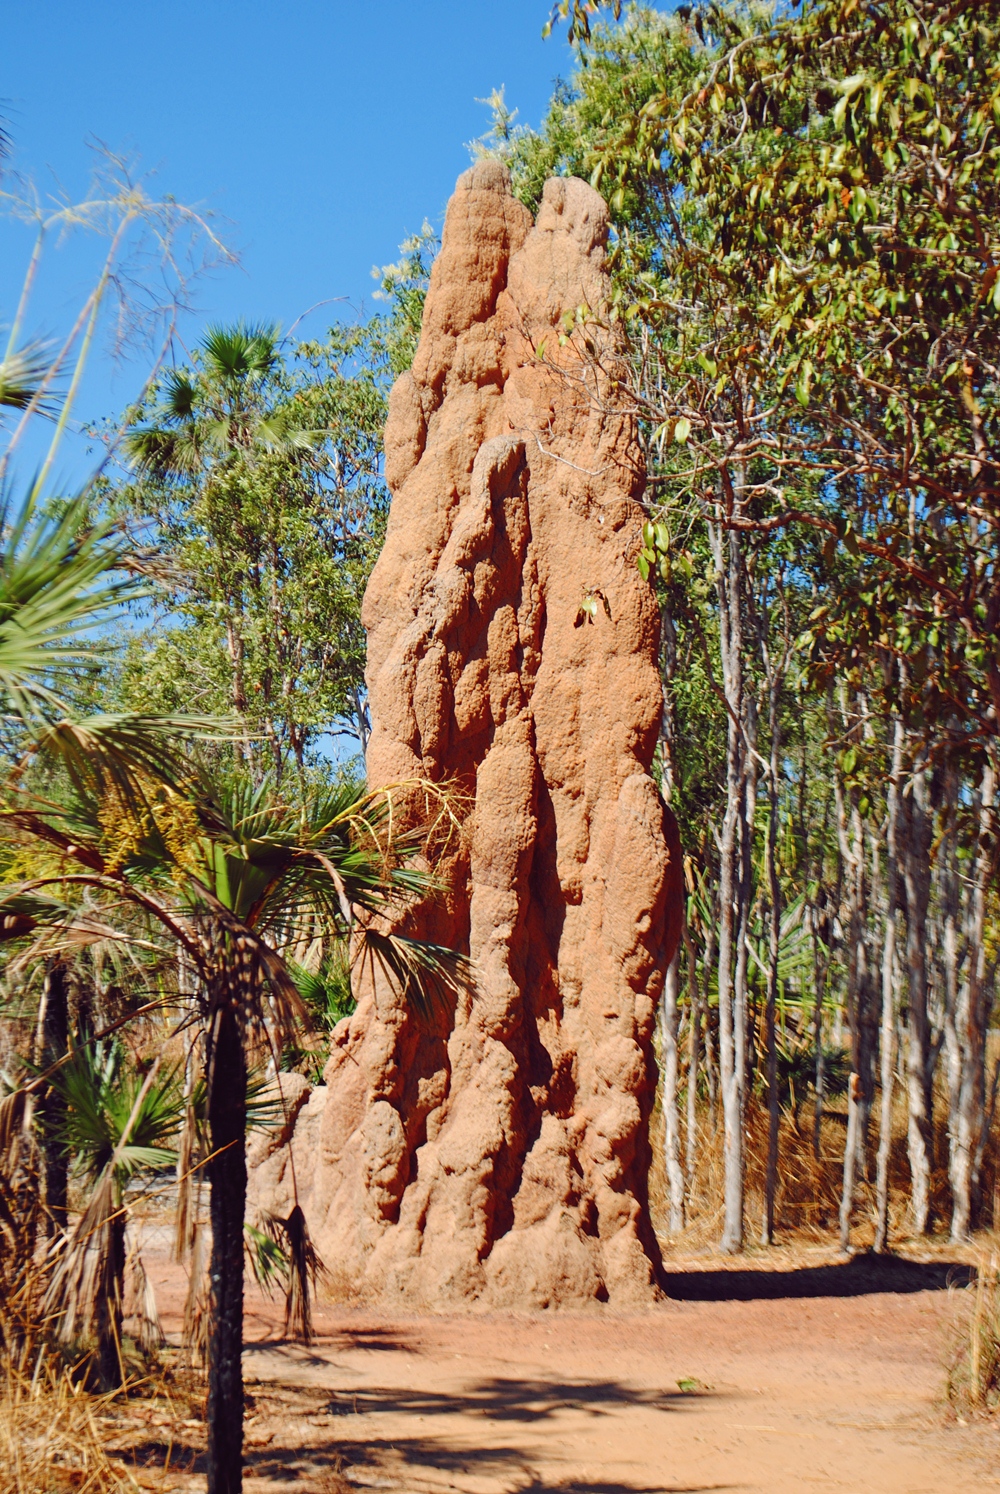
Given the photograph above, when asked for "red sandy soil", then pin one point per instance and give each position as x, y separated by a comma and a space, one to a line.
801, 1374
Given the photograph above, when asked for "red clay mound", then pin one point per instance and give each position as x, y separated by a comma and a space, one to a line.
501, 1156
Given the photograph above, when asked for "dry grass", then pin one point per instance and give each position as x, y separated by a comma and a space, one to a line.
974, 1379
808, 1198
808, 1187
56, 1436
51, 1440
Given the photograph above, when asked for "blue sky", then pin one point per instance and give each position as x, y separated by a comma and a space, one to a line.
321, 131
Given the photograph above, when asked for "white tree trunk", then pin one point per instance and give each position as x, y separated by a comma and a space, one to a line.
971, 1020
694, 1059
731, 1029
671, 1115
774, 941
889, 994
919, 1052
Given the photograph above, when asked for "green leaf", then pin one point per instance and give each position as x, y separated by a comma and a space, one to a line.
682, 429
803, 384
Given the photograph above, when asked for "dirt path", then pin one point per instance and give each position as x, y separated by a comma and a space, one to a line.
823, 1380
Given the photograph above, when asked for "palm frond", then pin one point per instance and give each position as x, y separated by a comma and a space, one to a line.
153, 451
58, 587
178, 400
58, 927
141, 1306
241, 351
427, 976
116, 1117
197, 1305
326, 992
265, 1255
85, 1284
281, 432
12, 1113
82, 1271
108, 754
283, 1250
23, 373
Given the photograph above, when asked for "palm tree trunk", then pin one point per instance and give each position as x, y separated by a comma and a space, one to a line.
110, 1369
54, 1039
227, 1171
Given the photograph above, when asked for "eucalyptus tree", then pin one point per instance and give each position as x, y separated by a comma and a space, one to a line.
262, 464
808, 226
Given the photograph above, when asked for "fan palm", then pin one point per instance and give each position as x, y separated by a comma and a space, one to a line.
238, 877
62, 579
116, 1123
24, 375
232, 405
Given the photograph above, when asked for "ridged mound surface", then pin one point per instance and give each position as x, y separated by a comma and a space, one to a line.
501, 1155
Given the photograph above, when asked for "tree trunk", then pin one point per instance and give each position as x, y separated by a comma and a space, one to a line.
822, 923
859, 1010
711, 1057
731, 1029
110, 1368
53, 1044
821, 931
694, 1057
671, 1116
669, 1012
972, 1018
889, 994
821, 966
227, 1171
774, 940
950, 962
744, 1044
919, 1053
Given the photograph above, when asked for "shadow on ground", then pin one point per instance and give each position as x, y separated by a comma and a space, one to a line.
861, 1276
505, 1400
333, 1450
413, 1463
337, 1338
575, 1487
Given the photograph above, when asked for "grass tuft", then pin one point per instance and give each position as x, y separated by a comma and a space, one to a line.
51, 1439
974, 1381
